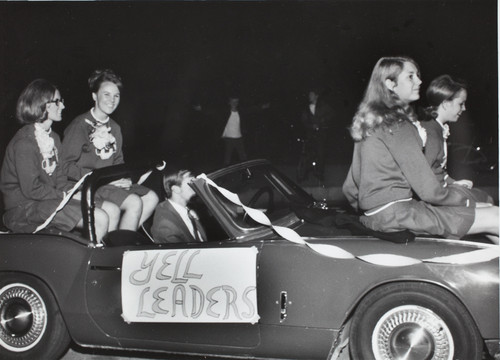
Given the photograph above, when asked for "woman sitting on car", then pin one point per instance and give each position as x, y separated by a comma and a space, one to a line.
390, 180
446, 97
93, 140
31, 179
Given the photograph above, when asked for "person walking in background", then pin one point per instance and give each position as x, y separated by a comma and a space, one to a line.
31, 179
446, 98
389, 168
173, 221
93, 140
232, 135
317, 118
235, 127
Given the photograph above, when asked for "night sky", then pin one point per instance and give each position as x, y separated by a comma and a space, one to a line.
173, 55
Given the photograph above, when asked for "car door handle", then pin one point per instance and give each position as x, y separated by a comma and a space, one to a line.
283, 304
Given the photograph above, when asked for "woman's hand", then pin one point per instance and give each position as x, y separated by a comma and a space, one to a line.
124, 183
465, 183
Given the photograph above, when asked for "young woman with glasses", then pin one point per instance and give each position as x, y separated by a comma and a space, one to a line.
31, 179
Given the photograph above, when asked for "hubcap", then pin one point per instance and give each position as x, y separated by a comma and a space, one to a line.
412, 332
23, 317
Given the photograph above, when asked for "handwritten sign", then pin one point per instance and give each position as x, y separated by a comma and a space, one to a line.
190, 285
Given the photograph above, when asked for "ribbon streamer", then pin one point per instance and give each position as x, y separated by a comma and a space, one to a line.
68, 196
63, 203
389, 260
471, 257
145, 176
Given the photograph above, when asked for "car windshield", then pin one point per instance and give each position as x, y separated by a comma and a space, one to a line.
260, 187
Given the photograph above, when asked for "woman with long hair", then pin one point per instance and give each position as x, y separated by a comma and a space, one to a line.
390, 180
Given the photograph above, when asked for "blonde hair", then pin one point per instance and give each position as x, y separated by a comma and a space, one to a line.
380, 105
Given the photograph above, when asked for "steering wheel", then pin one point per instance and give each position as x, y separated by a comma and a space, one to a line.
270, 200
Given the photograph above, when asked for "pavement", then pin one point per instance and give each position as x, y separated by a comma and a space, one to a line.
76, 353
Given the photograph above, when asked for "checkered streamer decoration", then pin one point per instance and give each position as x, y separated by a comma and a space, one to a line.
391, 260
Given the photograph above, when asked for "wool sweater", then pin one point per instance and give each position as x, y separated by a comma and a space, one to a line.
390, 165
22, 178
434, 150
80, 155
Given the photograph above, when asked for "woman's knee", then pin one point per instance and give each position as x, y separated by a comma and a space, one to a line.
111, 209
132, 203
101, 219
114, 214
150, 200
485, 221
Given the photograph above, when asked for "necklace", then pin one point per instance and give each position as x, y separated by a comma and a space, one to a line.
101, 122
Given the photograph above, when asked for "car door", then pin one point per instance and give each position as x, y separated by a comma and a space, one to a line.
306, 289
182, 270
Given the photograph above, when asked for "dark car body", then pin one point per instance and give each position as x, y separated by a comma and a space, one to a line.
305, 300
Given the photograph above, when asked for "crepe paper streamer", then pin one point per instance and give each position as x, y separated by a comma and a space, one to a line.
228, 194
286, 233
389, 260
257, 216
145, 176
472, 257
63, 203
290, 235
331, 251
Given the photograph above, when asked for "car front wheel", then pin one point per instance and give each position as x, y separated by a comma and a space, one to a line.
413, 321
31, 326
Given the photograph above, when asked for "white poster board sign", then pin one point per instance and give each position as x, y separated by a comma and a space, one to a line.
190, 285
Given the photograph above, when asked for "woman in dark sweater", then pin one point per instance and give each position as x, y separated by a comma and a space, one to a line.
31, 179
446, 98
390, 180
93, 140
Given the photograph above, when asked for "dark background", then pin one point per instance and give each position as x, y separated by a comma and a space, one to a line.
172, 55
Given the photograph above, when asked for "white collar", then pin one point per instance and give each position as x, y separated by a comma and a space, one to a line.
440, 123
180, 209
446, 129
101, 122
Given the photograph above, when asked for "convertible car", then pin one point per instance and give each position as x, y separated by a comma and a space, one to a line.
281, 277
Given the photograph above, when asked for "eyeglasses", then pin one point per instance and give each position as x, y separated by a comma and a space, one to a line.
56, 101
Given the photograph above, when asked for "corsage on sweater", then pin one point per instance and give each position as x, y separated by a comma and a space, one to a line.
47, 148
102, 139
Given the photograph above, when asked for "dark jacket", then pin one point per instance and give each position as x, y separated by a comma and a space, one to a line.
168, 226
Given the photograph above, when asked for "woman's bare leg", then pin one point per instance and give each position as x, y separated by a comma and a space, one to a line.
101, 224
485, 221
149, 202
114, 213
132, 210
